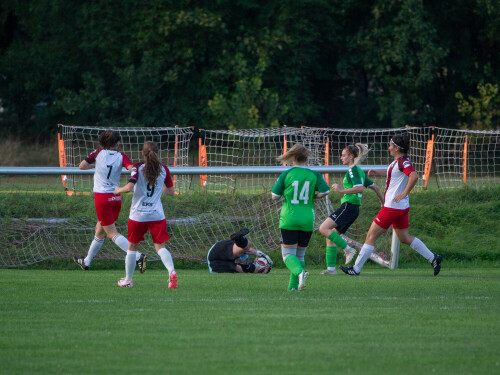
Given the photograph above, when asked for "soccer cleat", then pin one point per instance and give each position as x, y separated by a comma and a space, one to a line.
436, 264
328, 272
242, 232
172, 280
124, 283
292, 290
349, 254
81, 263
302, 279
349, 271
141, 263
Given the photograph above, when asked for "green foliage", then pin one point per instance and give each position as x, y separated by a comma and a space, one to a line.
242, 64
249, 105
482, 112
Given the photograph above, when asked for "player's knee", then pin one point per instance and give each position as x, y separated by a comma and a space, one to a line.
324, 229
407, 240
111, 235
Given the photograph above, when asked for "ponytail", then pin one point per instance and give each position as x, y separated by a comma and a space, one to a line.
152, 165
359, 151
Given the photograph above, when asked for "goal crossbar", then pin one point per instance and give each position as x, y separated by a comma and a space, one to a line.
183, 170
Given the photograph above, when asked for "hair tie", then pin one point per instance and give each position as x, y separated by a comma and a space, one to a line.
347, 149
401, 148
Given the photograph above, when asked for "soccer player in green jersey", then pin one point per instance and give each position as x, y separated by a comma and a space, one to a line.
299, 187
337, 223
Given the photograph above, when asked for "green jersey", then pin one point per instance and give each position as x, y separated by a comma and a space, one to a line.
355, 177
298, 186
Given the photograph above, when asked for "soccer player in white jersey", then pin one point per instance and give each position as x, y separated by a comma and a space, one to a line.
108, 163
401, 178
148, 180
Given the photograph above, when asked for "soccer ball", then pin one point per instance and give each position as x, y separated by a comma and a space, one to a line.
262, 265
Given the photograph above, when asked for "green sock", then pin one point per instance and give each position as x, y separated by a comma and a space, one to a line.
331, 256
303, 264
293, 264
337, 240
294, 282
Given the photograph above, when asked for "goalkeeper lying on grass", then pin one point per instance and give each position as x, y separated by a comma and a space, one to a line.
231, 256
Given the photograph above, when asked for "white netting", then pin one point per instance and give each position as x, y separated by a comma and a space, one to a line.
80, 141
39, 220
254, 147
464, 157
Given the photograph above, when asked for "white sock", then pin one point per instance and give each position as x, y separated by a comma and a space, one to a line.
420, 248
363, 256
137, 255
94, 248
331, 269
301, 252
130, 264
121, 242
166, 258
347, 248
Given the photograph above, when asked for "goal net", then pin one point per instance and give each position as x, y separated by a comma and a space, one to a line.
465, 157
77, 142
41, 217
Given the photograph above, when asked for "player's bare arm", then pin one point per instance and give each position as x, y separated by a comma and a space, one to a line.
125, 189
353, 190
168, 191
379, 193
84, 165
375, 172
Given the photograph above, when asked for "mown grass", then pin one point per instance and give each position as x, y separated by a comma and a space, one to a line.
383, 322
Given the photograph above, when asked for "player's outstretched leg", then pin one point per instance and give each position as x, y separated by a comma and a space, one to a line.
242, 232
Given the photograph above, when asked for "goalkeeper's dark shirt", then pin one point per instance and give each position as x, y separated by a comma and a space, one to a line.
222, 250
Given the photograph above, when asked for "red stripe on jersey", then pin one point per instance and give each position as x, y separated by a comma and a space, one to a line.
168, 179
93, 155
405, 165
126, 160
134, 173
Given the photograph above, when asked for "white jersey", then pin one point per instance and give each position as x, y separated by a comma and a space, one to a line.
397, 179
108, 167
146, 202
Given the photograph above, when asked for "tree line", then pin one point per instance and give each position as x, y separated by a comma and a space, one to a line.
248, 64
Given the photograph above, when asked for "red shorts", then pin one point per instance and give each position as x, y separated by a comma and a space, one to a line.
398, 218
107, 207
137, 230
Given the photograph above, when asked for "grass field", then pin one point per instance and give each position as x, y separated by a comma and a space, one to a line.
383, 322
